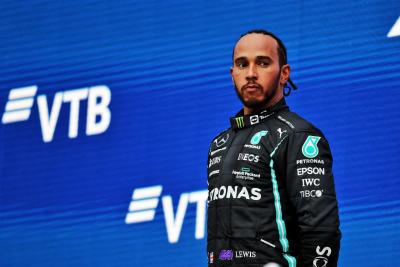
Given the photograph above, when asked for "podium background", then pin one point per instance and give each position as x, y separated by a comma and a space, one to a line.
64, 202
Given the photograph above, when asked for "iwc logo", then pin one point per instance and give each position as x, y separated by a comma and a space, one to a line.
310, 148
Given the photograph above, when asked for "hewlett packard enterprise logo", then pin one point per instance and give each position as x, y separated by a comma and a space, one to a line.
21, 100
143, 205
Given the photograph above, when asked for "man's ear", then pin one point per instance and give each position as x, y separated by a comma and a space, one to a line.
285, 74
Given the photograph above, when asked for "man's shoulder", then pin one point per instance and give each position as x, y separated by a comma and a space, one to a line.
297, 123
221, 135
219, 141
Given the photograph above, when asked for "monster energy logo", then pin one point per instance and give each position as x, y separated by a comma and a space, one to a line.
240, 122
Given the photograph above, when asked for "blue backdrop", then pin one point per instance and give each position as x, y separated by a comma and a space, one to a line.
114, 174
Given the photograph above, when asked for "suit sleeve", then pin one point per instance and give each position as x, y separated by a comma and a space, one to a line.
311, 190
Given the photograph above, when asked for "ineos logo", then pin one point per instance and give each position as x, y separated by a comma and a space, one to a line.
248, 157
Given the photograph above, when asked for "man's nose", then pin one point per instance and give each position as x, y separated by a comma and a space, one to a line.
252, 72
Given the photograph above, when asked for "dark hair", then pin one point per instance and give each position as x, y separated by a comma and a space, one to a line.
281, 51
281, 47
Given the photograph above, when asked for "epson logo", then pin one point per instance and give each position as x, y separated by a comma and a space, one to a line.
310, 171
98, 118
145, 201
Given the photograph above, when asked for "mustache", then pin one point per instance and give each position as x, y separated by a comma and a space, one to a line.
251, 84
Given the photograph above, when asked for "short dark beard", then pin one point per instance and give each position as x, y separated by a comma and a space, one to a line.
256, 105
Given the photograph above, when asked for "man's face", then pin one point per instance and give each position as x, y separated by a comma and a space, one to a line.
256, 70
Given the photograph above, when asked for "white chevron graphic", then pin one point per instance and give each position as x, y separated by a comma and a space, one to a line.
395, 30
19, 105
143, 205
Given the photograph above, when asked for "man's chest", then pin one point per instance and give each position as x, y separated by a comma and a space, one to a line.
240, 158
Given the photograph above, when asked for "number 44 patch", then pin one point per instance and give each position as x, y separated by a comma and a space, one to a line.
310, 146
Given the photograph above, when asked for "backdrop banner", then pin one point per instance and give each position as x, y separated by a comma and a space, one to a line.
108, 108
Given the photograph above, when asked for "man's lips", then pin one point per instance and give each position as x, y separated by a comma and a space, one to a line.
251, 87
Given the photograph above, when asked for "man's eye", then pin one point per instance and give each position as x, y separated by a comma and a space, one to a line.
263, 63
241, 65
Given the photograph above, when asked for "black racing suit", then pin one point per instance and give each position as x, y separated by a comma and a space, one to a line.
271, 193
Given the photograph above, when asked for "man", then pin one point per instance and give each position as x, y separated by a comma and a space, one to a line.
272, 199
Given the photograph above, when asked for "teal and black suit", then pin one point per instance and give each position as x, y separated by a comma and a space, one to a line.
271, 193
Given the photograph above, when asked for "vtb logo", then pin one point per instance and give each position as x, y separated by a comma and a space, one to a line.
21, 100
142, 208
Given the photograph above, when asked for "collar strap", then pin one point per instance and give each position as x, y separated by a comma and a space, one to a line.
241, 121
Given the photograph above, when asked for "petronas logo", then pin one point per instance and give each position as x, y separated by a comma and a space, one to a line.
310, 148
255, 140
240, 122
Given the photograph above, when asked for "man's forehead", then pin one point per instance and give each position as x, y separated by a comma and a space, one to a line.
256, 44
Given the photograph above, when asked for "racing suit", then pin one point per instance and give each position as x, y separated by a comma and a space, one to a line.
271, 193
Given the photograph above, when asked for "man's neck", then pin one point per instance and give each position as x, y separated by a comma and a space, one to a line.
271, 103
